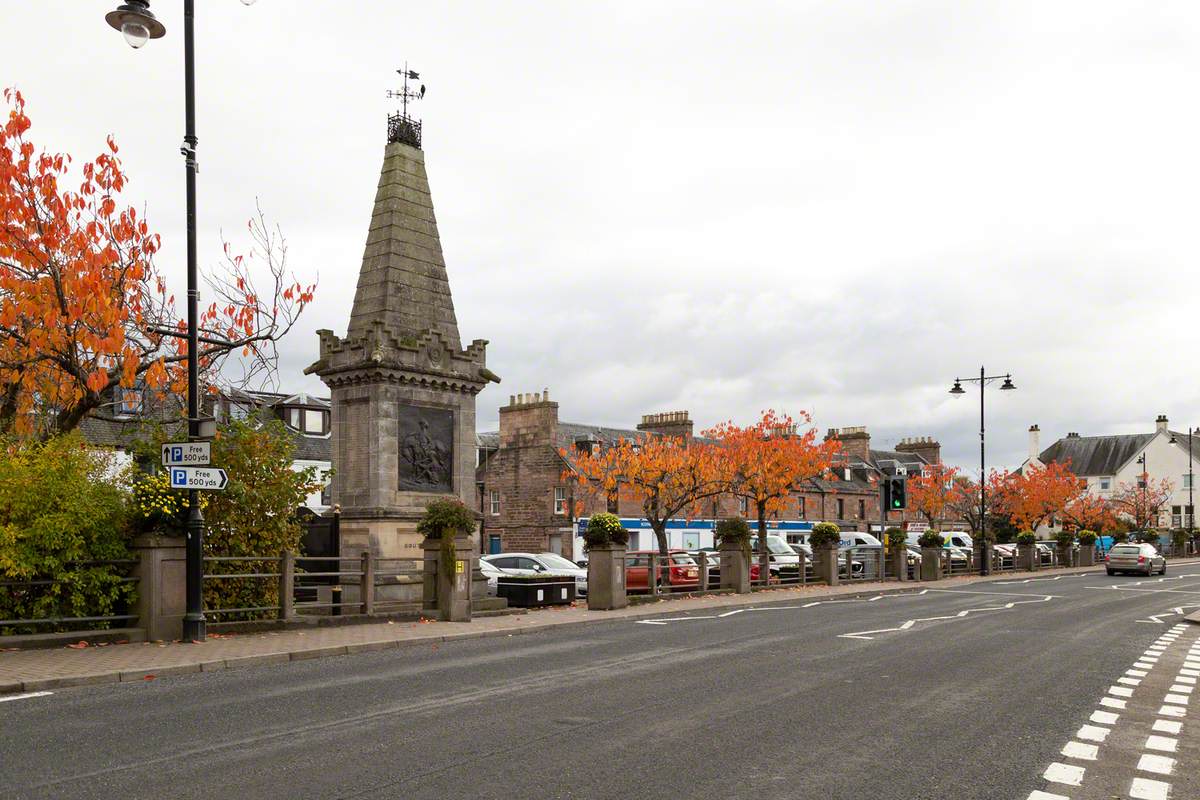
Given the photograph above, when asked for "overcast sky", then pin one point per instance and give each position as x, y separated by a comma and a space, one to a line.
648, 206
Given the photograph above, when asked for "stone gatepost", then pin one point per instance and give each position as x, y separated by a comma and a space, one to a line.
606, 578
899, 557
402, 386
987, 557
162, 580
735, 568
1028, 557
825, 563
1087, 555
448, 580
931, 563
1066, 555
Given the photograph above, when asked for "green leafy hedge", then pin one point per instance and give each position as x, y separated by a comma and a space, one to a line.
931, 538
1087, 538
1026, 538
60, 507
446, 515
604, 529
824, 534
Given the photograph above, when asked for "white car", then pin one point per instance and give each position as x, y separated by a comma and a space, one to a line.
535, 563
491, 572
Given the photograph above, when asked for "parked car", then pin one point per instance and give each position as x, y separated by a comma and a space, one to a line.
491, 572
1143, 558
783, 560
534, 563
713, 556
683, 569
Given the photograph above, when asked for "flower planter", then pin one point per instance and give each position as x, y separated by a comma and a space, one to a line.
529, 591
931, 563
606, 577
735, 568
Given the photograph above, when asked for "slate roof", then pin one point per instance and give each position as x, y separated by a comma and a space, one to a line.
1096, 455
912, 460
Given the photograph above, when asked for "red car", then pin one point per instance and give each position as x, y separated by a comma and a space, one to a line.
684, 571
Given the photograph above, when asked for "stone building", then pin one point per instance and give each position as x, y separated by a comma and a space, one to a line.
529, 502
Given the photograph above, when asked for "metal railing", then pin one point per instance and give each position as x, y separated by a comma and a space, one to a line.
365, 575
31, 590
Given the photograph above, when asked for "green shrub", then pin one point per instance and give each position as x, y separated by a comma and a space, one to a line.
1026, 538
446, 515
604, 529
255, 516
1147, 537
60, 506
733, 531
1065, 538
1120, 536
931, 538
895, 539
1179, 537
1087, 538
824, 534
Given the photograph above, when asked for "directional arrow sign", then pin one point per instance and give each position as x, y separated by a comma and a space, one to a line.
210, 478
183, 454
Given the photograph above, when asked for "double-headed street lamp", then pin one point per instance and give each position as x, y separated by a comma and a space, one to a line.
138, 25
957, 391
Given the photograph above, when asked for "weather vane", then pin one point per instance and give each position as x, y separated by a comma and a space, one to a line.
402, 127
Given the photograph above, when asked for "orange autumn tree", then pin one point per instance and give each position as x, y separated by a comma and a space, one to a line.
1143, 501
1039, 494
1090, 512
936, 492
83, 306
765, 462
667, 475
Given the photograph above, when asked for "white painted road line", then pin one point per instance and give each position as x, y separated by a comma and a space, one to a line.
1093, 733
1040, 795
1160, 765
1181, 689
1105, 717
1163, 744
1172, 711
1186, 679
1086, 752
8, 697
1112, 702
1146, 789
1136, 673
1069, 774
1120, 691
1177, 699
1167, 726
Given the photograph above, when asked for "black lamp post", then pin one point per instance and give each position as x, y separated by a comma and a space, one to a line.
1145, 479
957, 391
137, 24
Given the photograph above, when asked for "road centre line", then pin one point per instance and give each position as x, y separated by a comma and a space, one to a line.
999, 594
960, 615
27, 695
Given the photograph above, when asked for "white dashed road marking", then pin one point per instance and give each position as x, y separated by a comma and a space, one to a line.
27, 695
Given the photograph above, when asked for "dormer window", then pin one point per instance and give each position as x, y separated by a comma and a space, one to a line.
129, 402
311, 421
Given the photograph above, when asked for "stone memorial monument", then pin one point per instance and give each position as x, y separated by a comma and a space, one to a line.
402, 386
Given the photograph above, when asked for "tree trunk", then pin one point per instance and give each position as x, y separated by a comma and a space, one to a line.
664, 552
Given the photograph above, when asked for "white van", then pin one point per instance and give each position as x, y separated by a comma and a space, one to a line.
849, 539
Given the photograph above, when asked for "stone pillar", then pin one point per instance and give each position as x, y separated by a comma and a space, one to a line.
1028, 557
825, 561
161, 582
899, 558
931, 563
606, 578
735, 568
448, 580
1064, 555
1087, 555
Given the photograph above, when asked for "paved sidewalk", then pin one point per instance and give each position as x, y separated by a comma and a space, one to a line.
37, 670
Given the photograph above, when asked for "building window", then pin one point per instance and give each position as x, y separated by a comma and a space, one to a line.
129, 402
802, 506
312, 421
612, 504
560, 500
1187, 480
841, 508
494, 502
862, 509
744, 506
238, 411
1105, 484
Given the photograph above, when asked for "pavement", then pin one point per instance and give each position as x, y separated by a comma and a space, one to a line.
961, 689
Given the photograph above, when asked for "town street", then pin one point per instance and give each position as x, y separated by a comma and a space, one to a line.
890, 697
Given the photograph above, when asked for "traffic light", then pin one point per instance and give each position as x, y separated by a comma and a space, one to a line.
894, 493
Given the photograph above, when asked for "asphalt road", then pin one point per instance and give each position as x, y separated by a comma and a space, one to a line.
775, 702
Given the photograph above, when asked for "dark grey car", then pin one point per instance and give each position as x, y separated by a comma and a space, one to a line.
1141, 558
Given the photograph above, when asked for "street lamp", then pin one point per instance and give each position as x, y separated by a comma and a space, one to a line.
1191, 508
957, 391
138, 25
1145, 491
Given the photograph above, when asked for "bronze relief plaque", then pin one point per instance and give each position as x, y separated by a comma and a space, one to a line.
426, 448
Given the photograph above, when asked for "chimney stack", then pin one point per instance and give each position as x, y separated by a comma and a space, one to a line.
856, 442
1160, 424
926, 447
1035, 441
670, 423
530, 418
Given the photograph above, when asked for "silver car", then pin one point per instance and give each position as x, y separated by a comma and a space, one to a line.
1142, 558
536, 563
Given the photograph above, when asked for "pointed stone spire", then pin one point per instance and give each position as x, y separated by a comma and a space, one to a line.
402, 282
